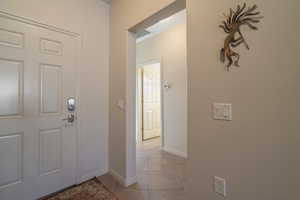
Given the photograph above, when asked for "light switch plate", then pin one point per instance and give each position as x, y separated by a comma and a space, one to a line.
220, 186
222, 111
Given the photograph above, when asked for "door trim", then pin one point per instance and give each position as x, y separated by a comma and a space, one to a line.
36, 23
140, 65
78, 61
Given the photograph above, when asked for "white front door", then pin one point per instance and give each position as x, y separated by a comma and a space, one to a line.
151, 106
37, 76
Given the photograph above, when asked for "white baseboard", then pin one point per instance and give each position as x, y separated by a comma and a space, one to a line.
175, 152
117, 176
92, 174
123, 181
130, 181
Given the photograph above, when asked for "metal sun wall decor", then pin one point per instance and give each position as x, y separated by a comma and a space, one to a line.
231, 26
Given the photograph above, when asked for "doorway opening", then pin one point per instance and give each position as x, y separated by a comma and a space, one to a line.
156, 101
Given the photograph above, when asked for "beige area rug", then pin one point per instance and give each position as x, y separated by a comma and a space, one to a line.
89, 190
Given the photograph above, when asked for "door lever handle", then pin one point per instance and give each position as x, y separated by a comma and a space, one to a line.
70, 118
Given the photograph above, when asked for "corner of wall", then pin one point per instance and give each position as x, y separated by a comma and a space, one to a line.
175, 152
122, 180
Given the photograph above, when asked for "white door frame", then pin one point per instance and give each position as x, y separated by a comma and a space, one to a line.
78, 39
149, 62
131, 177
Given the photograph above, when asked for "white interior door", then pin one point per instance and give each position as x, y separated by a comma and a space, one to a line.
151, 105
37, 76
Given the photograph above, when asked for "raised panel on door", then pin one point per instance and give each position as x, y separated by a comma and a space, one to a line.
148, 119
50, 89
11, 87
50, 151
51, 47
11, 38
11, 165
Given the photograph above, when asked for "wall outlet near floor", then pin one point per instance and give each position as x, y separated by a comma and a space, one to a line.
220, 186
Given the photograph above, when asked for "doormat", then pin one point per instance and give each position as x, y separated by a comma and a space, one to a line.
89, 190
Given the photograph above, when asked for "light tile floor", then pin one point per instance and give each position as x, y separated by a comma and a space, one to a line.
161, 176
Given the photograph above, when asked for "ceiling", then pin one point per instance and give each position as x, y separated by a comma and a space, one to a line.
162, 26
107, 1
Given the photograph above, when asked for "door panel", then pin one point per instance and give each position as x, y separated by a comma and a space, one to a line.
16, 125
11, 38
55, 58
50, 151
151, 101
37, 76
11, 87
51, 85
51, 47
11, 169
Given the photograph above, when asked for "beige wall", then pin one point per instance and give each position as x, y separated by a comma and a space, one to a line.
89, 18
68, 14
258, 152
170, 47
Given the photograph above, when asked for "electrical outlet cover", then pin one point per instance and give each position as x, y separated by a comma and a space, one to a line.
220, 186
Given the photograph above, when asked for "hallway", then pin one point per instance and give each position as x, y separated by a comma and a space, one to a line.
161, 176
